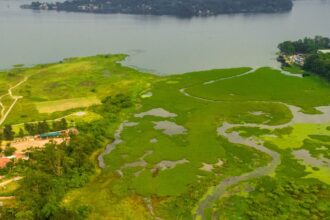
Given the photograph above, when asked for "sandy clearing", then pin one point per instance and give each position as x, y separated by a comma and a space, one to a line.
23, 145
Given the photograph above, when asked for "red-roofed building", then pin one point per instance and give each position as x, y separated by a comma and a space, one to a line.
4, 161
20, 156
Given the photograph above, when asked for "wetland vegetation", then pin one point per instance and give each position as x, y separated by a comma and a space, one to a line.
216, 144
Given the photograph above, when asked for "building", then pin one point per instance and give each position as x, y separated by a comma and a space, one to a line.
54, 134
6, 159
50, 135
324, 51
298, 59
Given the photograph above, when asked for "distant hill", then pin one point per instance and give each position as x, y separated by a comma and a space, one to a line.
182, 8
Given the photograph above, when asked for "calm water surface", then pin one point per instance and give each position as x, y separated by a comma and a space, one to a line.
162, 44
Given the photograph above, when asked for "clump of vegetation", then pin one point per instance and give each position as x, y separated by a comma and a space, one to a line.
8, 151
8, 133
119, 100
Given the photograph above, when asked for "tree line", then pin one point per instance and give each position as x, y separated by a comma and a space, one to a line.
34, 128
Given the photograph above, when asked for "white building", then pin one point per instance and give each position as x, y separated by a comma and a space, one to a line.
324, 51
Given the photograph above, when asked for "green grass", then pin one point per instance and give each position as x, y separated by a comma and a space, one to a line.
295, 69
72, 119
70, 85
9, 189
266, 84
65, 104
61, 89
297, 136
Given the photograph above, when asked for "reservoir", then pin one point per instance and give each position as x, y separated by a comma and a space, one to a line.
162, 44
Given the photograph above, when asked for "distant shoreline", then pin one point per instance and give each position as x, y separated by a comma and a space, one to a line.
189, 8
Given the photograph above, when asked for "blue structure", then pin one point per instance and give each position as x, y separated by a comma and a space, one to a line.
50, 134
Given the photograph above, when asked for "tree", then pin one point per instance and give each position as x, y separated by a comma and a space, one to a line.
63, 124
21, 133
9, 151
55, 126
287, 47
8, 133
31, 128
43, 127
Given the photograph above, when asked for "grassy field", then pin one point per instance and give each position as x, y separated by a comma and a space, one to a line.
171, 155
58, 89
66, 104
175, 191
295, 69
266, 84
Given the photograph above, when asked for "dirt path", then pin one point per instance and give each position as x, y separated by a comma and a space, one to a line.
4, 114
2, 109
4, 183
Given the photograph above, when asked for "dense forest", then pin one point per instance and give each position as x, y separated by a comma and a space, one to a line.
185, 8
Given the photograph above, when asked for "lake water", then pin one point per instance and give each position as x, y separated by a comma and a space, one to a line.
162, 44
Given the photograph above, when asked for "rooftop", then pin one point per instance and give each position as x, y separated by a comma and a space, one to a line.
324, 51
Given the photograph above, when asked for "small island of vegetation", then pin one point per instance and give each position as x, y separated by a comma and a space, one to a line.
187, 8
